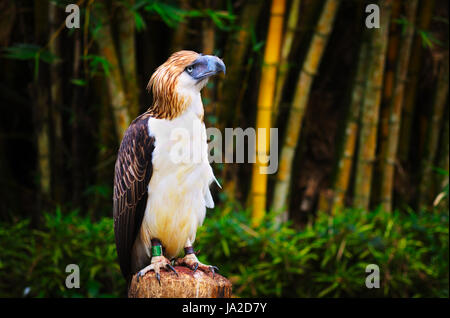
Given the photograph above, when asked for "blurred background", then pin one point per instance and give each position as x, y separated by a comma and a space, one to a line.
363, 143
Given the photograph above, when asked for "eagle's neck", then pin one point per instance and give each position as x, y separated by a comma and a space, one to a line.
176, 104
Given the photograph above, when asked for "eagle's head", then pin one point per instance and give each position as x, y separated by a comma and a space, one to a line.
180, 79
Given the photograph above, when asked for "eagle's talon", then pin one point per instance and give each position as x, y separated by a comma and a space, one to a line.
191, 261
213, 269
157, 263
158, 277
172, 269
195, 268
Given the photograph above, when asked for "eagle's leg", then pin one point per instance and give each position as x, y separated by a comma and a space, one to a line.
190, 260
157, 262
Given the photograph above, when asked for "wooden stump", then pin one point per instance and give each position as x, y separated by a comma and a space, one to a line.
186, 285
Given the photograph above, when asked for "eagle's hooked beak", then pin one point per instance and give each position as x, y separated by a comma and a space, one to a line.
206, 66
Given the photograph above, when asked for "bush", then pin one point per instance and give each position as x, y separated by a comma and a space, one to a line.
326, 259
329, 258
36, 260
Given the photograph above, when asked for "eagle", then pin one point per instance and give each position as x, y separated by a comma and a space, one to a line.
159, 201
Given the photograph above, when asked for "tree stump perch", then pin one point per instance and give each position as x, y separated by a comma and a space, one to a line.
186, 285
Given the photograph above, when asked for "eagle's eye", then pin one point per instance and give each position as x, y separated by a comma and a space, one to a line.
189, 69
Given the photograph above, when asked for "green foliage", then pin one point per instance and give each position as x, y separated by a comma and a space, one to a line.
329, 258
97, 62
428, 39
326, 259
172, 14
26, 51
37, 259
78, 81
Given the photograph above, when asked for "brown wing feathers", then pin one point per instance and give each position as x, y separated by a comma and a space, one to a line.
133, 171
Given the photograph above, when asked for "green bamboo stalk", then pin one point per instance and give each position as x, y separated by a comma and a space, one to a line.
127, 55
114, 81
291, 30
41, 111
299, 104
442, 180
234, 85
426, 13
56, 102
395, 108
432, 139
208, 45
345, 161
370, 110
180, 32
388, 88
236, 48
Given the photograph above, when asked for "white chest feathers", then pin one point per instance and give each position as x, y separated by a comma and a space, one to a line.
178, 192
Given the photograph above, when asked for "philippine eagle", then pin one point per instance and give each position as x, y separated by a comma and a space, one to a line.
159, 202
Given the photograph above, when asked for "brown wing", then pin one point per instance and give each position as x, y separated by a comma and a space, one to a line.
132, 174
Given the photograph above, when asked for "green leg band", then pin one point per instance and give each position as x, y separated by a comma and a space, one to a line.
156, 250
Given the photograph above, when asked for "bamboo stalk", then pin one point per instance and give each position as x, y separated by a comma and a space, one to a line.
76, 156
39, 95
291, 28
208, 37
426, 12
56, 102
235, 84
264, 109
433, 133
345, 162
395, 108
114, 81
127, 53
299, 103
442, 180
208, 33
370, 110
179, 35
388, 88
236, 49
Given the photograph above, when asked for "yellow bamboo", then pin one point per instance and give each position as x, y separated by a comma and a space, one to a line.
264, 109
370, 111
351, 132
395, 109
291, 30
299, 103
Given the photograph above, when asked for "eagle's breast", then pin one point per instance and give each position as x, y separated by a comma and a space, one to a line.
178, 192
